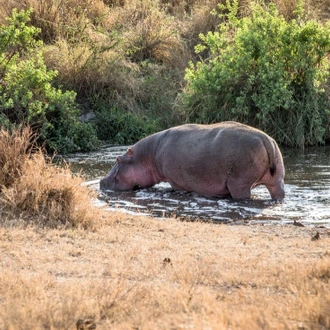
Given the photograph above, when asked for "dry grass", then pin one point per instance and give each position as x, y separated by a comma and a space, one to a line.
71, 62
155, 36
93, 74
58, 19
33, 189
142, 273
163, 30
15, 148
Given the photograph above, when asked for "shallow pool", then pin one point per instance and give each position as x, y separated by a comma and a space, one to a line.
307, 186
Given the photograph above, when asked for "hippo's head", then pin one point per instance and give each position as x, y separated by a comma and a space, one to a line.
130, 172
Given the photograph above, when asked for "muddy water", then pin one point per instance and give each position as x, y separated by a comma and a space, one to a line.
307, 186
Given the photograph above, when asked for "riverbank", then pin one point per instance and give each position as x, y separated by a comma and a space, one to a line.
136, 272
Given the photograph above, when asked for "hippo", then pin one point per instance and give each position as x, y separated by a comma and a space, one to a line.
221, 160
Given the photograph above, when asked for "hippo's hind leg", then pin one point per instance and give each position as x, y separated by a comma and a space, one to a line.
239, 189
274, 184
276, 190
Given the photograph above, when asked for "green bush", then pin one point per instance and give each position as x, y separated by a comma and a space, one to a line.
265, 71
27, 94
119, 127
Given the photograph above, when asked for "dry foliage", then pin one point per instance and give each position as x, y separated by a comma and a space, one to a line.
57, 19
142, 273
34, 189
165, 30
80, 68
15, 148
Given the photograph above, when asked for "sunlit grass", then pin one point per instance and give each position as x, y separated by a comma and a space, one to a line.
33, 188
137, 272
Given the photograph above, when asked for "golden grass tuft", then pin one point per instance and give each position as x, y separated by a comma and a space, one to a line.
160, 42
15, 148
79, 69
34, 189
70, 61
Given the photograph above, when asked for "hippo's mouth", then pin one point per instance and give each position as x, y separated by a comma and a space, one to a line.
136, 187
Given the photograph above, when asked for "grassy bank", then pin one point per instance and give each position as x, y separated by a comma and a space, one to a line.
142, 273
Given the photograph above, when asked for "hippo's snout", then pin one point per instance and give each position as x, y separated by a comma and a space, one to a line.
105, 184
109, 182
102, 184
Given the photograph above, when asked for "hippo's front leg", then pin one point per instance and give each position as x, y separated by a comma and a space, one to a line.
239, 189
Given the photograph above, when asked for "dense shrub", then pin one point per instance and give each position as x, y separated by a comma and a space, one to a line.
27, 94
265, 71
120, 127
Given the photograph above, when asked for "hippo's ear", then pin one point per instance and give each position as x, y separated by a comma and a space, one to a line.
119, 159
129, 151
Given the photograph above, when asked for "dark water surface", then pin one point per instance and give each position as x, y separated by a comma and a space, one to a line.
307, 186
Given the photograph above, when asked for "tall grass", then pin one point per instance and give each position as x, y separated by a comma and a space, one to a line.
34, 189
15, 149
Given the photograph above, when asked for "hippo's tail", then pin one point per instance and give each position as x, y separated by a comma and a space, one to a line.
271, 148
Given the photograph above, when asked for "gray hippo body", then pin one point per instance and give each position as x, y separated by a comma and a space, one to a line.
219, 160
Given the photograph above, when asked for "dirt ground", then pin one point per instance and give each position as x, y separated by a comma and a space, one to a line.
141, 273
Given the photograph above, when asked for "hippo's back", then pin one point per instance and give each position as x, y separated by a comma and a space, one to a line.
209, 142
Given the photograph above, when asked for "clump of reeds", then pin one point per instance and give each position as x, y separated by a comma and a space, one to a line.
34, 189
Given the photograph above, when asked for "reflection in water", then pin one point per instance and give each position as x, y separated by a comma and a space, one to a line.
307, 185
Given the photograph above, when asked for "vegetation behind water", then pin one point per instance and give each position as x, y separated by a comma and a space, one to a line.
136, 66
